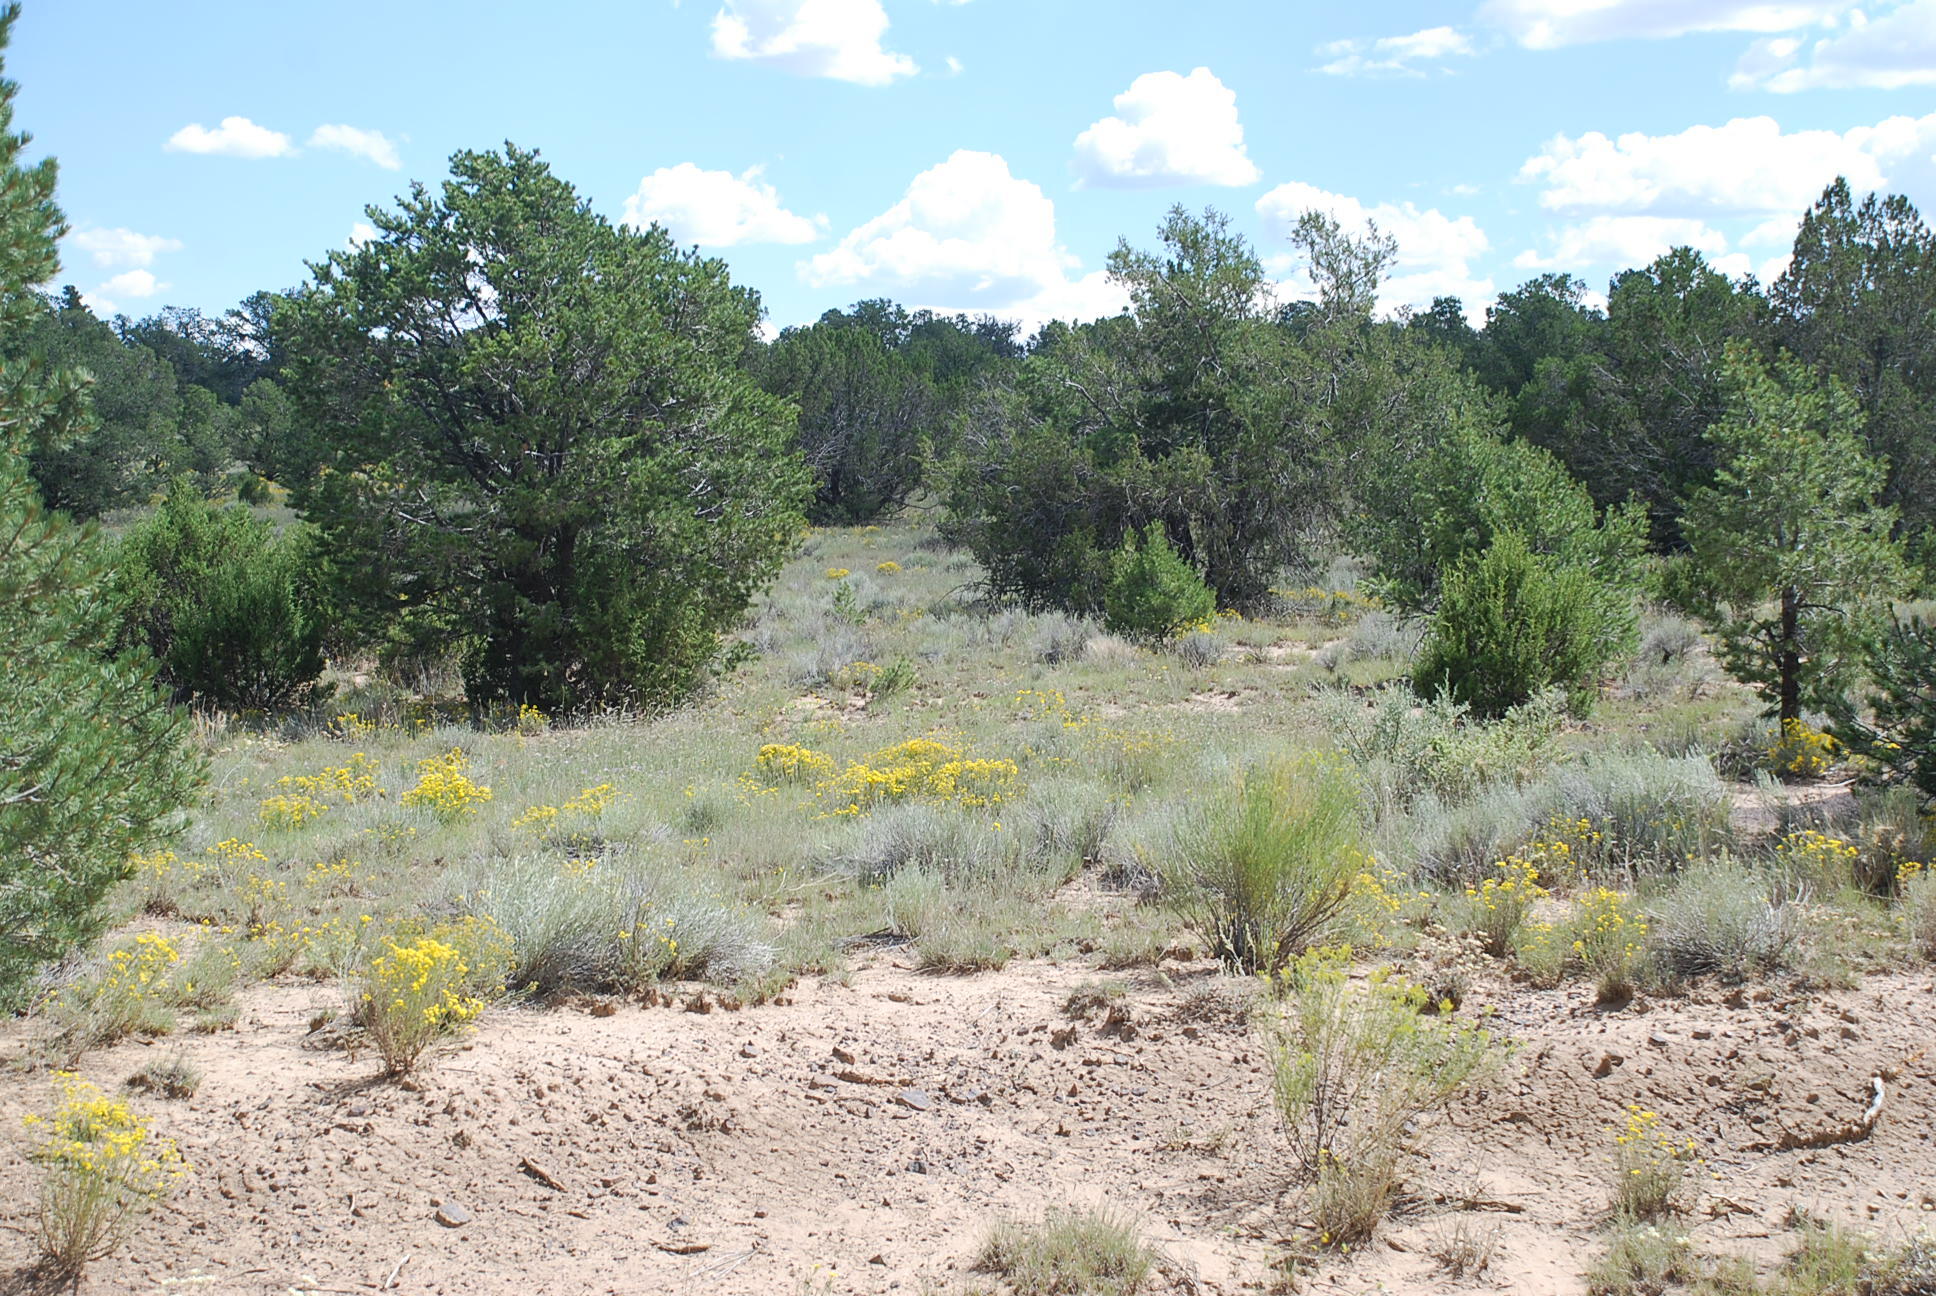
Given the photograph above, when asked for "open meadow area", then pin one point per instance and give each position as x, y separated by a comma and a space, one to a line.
900, 719
809, 984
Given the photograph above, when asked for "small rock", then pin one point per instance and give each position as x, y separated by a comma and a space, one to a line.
1604, 1067
877, 1259
749, 1050
917, 1166
914, 1098
842, 1055
452, 1215
604, 1008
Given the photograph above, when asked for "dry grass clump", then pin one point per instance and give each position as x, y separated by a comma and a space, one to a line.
1265, 867
173, 1076
1068, 1253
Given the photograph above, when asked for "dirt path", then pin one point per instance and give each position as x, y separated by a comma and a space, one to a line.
860, 1137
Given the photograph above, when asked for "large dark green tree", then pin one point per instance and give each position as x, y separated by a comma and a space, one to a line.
534, 426
1202, 409
1858, 302
866, 413
92, 757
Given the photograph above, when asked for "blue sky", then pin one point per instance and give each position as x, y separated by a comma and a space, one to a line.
978, 154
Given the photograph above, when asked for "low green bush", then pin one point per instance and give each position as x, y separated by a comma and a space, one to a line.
223, 601
1512, 623
1153, 592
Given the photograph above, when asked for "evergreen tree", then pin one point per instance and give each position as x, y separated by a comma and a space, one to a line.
535, 427
1790, 552
92, 763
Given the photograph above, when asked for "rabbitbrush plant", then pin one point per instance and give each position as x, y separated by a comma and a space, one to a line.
102, 1167
1354, 1065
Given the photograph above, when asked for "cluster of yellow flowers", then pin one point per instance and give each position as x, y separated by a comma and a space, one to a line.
592, 801
1499, 904
888, 568
444, 788
838, 573
1649, 1164
286, 812
104, 1167
531, 720
1802, 751
414, 994
1610, 935
918, 769
789, 763
1825, 859
350, 726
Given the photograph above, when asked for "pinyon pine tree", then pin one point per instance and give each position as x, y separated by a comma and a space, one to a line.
91, 754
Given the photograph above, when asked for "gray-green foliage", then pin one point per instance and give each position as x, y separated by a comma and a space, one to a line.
92, 757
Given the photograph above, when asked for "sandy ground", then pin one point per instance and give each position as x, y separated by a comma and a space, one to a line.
859, 1137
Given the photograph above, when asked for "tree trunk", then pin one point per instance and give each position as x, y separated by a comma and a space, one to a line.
1790, 655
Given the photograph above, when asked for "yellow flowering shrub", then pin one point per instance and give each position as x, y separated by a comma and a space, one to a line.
1826, 862
1498, 905
838, 573
445, 789
919, 769
1649, 1166
286, 812
592, 800
230, 856
351, 727
786, 763
132, 996
412, 996
102, 1169
531, 721
888, 568
1802, 751
354, 780
1610, 936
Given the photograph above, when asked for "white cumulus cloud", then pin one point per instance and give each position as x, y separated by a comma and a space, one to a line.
122, 247
840, 39
1878, 50
968, 235
1435, 251
1394, 55
235, 137
716, 208
1620, 242
1169, 129
1748, 166
1548, 24
371, 146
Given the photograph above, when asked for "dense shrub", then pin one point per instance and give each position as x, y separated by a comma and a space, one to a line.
1897, 735
1153, 592
1266, 866
222, 601
1512, 623
1721, 921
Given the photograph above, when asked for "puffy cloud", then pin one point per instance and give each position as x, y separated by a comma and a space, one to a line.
968, 235
840, 39
1394, 55
1748, 166
1170, 129
716, 208
1619, 242
1548, 24
122, 247
372, 146
1435, 251
235, 137
105, 301
1881, 51
361, 232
